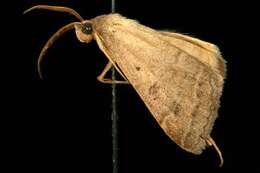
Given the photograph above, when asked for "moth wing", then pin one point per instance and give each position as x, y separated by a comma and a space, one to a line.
181, 92
205, 52
203, 44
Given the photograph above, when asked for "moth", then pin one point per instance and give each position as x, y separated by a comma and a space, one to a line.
179, 78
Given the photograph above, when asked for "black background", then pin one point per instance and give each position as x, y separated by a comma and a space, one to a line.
63, 122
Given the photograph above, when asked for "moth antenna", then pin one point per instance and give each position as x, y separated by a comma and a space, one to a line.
211, 142
50, 42
56, 8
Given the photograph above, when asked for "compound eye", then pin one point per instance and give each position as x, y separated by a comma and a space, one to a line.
87, 28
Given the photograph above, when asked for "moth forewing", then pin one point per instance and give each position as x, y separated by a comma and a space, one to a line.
181, 90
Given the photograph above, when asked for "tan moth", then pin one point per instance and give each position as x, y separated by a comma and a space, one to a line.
179, 78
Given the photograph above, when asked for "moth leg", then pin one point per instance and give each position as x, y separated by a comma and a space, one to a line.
211, 142
102, 79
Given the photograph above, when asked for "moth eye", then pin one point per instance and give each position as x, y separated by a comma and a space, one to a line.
87, 28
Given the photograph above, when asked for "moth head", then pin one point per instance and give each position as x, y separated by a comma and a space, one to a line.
84, 31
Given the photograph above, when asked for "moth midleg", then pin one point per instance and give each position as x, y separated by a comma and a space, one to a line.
102, 79
109, 65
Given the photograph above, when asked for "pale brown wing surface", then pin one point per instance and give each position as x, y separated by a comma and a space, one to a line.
181, 92
205, 52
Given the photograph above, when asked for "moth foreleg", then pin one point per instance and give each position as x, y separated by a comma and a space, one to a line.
102, 79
